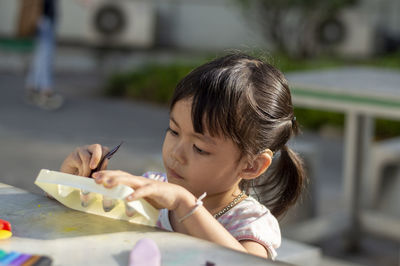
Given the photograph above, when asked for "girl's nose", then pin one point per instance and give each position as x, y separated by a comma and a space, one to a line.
178, 153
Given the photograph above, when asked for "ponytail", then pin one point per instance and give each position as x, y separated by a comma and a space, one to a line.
282, 183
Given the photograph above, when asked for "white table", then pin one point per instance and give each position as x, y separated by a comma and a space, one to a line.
43, 226
362, 94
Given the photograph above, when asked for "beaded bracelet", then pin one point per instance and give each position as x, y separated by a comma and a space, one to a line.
199, 202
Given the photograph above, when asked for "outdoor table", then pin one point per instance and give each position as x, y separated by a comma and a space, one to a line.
361, 93
43, 226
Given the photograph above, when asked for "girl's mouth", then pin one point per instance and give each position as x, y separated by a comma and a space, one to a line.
173, 174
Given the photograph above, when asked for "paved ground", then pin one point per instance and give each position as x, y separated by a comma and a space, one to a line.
31, 139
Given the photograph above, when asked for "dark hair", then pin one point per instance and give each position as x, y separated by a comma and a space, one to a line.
249, 101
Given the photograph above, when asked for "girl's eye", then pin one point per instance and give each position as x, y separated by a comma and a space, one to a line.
173, 132
200, 151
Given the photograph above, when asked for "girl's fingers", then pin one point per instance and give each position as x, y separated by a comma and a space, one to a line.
71, 164
106, 179
151, 190
112, 178
109, 182
75, 165
142, 192
97, 152
131, 197
148, 192
84, 156
97, 178
84, 159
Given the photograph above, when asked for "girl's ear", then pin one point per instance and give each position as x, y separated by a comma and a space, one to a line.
257, 166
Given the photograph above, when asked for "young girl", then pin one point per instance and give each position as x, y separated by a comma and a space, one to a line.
229, 119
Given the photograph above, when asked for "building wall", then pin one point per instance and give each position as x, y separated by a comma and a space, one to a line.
206, 25
203, 24
8, 16
185, 24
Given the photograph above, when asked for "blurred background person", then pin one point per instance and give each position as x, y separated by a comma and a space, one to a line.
39, 82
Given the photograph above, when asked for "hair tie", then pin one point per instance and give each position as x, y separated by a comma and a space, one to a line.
294, 123
199, 203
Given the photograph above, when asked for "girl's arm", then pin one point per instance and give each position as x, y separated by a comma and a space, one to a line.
180, 202
202, 224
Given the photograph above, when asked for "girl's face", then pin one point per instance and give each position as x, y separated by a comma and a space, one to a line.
198, 162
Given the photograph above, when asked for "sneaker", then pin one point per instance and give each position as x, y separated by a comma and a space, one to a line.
48, 101
31, 96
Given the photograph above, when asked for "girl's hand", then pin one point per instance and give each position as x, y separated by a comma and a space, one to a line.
84, 159
159, 194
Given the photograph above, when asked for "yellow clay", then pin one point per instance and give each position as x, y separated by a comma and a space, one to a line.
5, 234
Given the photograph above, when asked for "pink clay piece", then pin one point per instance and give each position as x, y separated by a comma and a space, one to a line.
145, 253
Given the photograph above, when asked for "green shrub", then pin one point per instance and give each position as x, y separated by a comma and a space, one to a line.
152, 83
316, 119
310, 119
386, 129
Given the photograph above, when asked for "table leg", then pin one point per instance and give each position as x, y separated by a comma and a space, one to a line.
359, 132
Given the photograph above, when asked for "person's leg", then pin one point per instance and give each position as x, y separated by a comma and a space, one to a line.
46, 52
42, 70
33, 77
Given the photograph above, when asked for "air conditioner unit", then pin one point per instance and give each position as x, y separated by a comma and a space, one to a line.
350, 33
122, 22
129, 23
